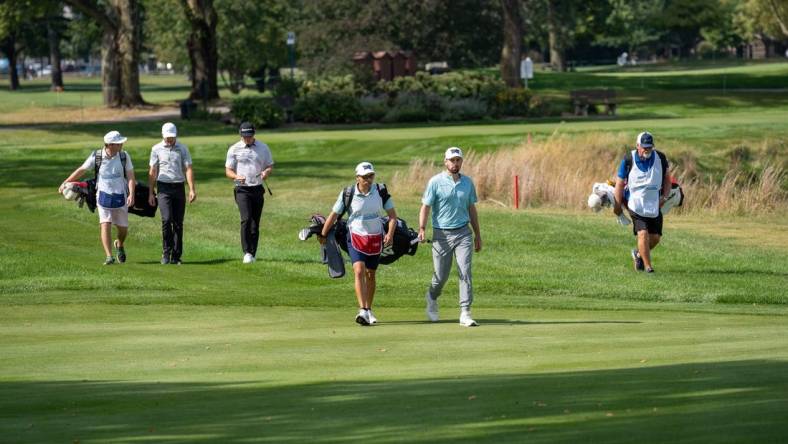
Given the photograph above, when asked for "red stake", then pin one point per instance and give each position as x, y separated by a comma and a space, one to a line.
516, 192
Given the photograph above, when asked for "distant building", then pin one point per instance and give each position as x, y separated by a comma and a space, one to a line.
386, 65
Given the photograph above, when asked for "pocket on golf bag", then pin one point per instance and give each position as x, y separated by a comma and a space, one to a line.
111, 200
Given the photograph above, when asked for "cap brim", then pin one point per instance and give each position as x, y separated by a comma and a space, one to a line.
121, 140
169, 135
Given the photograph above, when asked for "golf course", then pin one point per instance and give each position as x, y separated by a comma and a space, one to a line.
573, 345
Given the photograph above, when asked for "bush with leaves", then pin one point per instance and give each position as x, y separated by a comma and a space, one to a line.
329, 107
513, 102
261, 111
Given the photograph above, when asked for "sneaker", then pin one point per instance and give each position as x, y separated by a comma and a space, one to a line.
637, 260
371, 317
432, 308
649, 270
466, 320
165, 260
120, 252
362, 318
176, 262
109, 260
248, 258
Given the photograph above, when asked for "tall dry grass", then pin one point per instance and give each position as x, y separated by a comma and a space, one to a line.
560, 171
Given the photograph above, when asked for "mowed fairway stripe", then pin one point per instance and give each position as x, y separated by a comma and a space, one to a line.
180, 374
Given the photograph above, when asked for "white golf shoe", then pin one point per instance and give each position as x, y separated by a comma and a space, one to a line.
466, 320
248, 258
362, 318
371, 317
432, 308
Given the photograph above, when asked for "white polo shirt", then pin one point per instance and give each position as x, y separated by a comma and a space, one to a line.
249, 161
171, 161
110, 177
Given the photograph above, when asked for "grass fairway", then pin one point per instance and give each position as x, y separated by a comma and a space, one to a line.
124, 374
573, 345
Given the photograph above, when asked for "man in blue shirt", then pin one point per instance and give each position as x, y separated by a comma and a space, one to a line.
452, 198
644, 173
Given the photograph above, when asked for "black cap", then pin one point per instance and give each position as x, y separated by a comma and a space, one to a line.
247, 129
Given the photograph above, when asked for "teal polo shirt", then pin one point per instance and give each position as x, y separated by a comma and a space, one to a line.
449, 200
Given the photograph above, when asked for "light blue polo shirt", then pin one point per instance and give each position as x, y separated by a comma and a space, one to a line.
449, 200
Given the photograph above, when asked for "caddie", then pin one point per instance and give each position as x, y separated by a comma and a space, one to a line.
644, 172
115, 185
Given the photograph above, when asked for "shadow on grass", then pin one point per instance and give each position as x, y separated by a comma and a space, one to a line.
743, 401
483, 321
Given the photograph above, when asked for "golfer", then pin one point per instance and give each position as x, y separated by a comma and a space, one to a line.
115, 185
170, 166
452, 198
644, 174
366, 237
248, 164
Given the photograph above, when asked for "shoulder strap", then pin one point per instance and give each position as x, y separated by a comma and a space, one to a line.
97, 156
123, 163
383, 192
347, 199
628, 164
664, 161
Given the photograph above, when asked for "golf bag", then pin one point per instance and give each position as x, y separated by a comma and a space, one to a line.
405, 242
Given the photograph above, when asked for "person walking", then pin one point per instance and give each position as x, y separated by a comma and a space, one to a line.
452, 198
365, 235
248, 164
644, 184
170, 165
115, 183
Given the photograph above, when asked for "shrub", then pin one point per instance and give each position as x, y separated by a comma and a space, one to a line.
329, 107
374, 108
513, 102
464, 109
415, 107
261, 111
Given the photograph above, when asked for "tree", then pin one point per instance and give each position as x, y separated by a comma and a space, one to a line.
631, 24
755, 18
683, 21
512, 42
555, 36
18, 26
203, 53
251, 38
56, 25
121, 25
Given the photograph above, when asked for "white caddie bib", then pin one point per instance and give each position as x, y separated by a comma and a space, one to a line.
644, 187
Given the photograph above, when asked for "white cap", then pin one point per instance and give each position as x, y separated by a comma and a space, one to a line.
169, 130
364, 168
453, 152
113, 137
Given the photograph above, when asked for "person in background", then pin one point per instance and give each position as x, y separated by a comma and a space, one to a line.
170, 166
248, 164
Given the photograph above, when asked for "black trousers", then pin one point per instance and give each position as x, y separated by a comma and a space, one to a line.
250, 202
172, 204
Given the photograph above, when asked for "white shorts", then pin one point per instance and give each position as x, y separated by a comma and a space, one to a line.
116, 216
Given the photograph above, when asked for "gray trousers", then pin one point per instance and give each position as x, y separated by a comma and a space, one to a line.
446, 245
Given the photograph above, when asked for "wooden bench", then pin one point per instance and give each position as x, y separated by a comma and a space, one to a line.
582, 99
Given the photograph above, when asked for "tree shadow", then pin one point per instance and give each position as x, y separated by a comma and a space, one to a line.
484, 321
738, 401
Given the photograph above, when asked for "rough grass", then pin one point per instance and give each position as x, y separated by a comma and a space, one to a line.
560, 170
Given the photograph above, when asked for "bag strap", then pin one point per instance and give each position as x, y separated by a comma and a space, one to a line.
383, 192
347, 199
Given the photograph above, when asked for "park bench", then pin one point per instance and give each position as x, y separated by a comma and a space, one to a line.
582, 99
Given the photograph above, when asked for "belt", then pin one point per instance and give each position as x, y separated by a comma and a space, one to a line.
452, 229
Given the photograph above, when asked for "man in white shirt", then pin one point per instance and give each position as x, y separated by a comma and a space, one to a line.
170, 165
115, 185
248, 164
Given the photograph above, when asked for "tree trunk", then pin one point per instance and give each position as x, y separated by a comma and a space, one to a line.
512, 43
129, 36
54, 57
9, 49
122, 30
203, 53
553, 34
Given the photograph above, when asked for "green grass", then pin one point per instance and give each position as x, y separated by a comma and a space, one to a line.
573, 346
